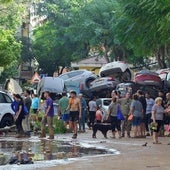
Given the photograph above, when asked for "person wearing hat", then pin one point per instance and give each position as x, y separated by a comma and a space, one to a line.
75, 112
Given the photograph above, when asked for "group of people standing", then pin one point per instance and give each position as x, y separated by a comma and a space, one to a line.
21, 107
138, 111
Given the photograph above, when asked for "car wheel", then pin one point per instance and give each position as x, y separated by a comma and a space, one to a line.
88, 81
7, 120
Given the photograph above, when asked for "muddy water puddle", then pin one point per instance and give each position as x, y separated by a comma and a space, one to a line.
49, 150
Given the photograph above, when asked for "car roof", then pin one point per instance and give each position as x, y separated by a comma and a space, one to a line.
75, 71
3, 92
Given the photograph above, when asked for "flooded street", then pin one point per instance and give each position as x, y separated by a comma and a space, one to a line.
35, 153
85, 153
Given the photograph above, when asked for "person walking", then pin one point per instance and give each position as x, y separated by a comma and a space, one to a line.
63, 104
136, 110
149, 104
125, 108
75, 112
26, 120
19, 116
92, 111
48, 117
83, 111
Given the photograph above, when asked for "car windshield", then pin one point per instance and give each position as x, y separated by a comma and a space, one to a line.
70, 85
107, 102
75, 73
168, 77
64, 77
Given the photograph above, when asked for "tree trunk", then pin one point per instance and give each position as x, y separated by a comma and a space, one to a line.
106, 50
161, 57
61, 70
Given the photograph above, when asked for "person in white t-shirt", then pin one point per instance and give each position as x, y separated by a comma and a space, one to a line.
92, 111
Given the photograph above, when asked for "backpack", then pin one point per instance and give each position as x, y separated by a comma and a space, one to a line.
25, 109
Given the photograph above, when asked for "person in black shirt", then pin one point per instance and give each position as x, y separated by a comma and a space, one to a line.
19, 116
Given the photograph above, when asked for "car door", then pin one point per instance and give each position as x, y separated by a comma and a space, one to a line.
5, 105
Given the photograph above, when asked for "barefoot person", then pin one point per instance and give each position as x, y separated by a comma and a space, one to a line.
75, 112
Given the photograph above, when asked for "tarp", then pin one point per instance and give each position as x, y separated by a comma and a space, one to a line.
13, 86
51, 84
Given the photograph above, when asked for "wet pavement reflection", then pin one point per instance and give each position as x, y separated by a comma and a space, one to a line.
47, 150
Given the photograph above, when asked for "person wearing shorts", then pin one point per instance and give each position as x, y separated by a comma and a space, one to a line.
157, 117
112, 111
63, 104
75, 112
136, 110
74, 116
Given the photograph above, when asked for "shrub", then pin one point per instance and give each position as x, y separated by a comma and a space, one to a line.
59, 126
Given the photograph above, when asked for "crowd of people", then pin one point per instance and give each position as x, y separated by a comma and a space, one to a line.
140, 112
21, 107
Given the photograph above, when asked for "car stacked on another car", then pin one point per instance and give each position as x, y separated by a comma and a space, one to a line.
147, 77
6, 113
144, 80
78, 80
111, 75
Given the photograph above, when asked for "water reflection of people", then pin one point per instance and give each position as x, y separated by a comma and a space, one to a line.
46, 149
74, 151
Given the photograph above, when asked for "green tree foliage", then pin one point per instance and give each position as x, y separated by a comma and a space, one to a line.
9, 21
10, 71
130, 30
9, 48
92, 28
53, 43
144, 27
73, 29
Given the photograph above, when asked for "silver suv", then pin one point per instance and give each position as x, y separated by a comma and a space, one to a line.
6, 113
